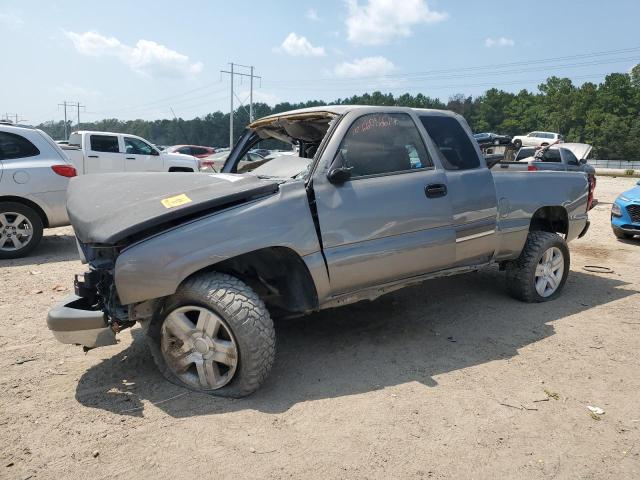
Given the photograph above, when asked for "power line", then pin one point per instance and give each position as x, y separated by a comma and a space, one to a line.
17, 118
232, 75
483, 67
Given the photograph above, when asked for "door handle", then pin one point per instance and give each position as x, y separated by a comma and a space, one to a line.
131, 158
93, 156
435, 190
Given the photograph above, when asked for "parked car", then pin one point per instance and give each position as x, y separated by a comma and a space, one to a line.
537, 139
34, 174
625, 213
215, 163
263, 152
204, 261
194, 150
565, 156
492, 139
102, 152
569, 157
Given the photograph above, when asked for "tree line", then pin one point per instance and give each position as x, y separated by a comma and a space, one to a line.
605, 115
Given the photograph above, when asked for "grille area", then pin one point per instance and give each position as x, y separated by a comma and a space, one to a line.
634, 213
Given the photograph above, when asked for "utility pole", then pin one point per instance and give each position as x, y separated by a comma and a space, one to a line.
78, 105
66, 104
232, 73
17, 118
251, 97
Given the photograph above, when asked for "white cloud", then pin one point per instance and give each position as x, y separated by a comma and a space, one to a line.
11, 20
312, 14
379, 21
147, 57
499, 42
71, 90
364, 67
299, 46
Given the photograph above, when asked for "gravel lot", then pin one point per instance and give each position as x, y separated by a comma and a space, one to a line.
450, 379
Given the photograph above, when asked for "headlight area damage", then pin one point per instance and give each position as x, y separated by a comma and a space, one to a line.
129, 209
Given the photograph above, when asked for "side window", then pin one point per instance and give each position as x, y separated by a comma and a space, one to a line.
135, 146
551, 155
568, 154
185, 150
16, 146
104, 143
382, 143
453, 142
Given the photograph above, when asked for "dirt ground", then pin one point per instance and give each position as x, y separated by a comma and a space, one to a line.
450, 379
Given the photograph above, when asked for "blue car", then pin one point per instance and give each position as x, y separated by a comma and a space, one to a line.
625, 213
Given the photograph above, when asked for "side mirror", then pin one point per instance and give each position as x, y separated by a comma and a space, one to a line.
582, 161
339, 175
155, 152
638, 183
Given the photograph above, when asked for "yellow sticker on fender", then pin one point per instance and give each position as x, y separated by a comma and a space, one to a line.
175, 201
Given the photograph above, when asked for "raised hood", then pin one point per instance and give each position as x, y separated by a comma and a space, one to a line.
580, 150
108, 208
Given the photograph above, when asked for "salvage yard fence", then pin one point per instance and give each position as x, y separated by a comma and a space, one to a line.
621, 164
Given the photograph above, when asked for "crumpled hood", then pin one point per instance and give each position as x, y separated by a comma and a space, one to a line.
107, 208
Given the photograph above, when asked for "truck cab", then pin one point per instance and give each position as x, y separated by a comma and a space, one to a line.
105, 152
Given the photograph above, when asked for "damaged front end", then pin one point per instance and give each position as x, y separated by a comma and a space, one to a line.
93, 315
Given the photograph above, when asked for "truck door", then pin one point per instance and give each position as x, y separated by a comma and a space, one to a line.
472, 192
140, 156
102, 154
392, 218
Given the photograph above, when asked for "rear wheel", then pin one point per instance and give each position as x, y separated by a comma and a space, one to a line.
517, 143
214, 335
20, 230
541, 270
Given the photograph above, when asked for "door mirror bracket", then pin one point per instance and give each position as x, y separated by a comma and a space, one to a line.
339, 175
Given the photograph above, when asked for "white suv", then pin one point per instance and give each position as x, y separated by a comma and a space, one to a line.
537, 139
34, 174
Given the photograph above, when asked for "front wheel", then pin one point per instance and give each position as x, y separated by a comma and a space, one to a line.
215, 336
540, 272
20, 230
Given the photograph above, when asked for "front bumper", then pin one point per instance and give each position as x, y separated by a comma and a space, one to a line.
72, 321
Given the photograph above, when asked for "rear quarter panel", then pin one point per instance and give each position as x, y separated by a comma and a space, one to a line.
521, 194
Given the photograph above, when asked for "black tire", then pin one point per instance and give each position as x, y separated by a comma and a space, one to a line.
517, 143
246, 317
521, 272
622, 235
36, 224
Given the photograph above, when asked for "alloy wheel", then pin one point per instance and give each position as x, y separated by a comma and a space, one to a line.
549, 272
199, 348
16, 231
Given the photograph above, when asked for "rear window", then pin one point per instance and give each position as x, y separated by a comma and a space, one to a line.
16, 146
551, 155
458, 153
568, 154
104, 143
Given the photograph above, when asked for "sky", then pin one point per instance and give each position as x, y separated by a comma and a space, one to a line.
127, 60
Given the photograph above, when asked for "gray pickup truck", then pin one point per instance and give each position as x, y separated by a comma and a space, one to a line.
387, 197
568, 157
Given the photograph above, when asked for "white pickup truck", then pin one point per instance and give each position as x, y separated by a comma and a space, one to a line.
104, 152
